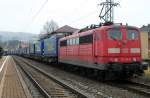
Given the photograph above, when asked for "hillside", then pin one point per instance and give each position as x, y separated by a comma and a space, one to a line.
11, 40
21, 36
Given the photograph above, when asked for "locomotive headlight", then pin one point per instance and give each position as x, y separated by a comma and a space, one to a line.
116, 59
135, 50
113, 50
134, 59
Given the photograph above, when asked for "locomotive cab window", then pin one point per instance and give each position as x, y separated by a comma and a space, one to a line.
114, 34
132, 35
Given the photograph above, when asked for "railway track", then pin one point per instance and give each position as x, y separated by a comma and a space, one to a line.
141, 88
54, 92
138, 88
34, 91
126, 90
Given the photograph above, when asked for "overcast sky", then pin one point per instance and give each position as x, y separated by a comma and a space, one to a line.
20, 15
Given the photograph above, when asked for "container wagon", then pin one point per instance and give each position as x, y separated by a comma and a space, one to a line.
50, 51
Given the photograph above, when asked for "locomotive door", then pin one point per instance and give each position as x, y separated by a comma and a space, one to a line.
123, 43
96, 44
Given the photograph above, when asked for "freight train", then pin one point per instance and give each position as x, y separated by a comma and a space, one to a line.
110, 51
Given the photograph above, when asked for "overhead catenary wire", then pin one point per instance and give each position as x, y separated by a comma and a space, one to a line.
76, 10
82, 4
34, 17
86, 16
83, 17
36, 14
42, 6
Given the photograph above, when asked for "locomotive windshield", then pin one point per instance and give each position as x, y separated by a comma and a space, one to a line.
132, 34
114, 34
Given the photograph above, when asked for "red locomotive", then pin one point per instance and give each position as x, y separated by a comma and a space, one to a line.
111, 50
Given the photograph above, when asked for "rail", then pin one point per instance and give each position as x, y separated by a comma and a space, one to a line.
77, 91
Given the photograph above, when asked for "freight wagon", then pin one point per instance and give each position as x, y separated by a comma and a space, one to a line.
45, 49
31, 49
39, 46
50, 49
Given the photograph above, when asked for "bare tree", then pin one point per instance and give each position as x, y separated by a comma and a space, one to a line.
49, 27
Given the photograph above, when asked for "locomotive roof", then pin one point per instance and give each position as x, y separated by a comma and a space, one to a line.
100, 28
118, 26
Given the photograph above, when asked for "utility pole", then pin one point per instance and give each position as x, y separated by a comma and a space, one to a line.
107, 11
